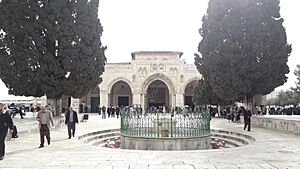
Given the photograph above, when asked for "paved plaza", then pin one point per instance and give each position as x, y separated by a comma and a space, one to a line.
272, 149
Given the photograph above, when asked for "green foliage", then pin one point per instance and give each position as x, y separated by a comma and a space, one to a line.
50, 47
297, 88
283, 98
204, 95
244, 48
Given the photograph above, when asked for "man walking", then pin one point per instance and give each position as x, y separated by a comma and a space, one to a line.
247, 119
71, 119
5, 123
44, 117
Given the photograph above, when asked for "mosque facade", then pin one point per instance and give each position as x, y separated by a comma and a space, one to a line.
151, 78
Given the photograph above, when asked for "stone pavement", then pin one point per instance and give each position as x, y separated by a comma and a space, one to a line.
271, 150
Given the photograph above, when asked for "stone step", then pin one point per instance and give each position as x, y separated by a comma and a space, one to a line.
239, 139
228, 142
248, 138
231, 139
96, 133
99, 136
101, 142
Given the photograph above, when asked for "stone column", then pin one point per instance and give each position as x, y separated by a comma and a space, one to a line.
179, 99
136, 98
104, 98
172, 100
144, 101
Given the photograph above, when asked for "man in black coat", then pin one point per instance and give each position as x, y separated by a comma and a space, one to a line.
247, 119
5, 123
71, 119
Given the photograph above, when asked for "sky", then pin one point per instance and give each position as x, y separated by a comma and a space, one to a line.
170, 25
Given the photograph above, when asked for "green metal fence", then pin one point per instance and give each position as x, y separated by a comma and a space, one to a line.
162, 125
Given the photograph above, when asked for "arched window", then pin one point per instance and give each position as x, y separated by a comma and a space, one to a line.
154, 67
161, 68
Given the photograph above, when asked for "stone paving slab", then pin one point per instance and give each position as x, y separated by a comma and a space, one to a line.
272, 149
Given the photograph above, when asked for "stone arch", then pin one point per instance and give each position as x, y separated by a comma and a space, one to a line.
188, 91
112, 82
189, 81
120, 94
161, 67
161, 77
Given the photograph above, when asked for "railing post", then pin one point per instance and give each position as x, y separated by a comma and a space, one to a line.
171, 127
157, 124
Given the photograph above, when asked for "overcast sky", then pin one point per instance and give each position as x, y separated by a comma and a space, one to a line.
170, 25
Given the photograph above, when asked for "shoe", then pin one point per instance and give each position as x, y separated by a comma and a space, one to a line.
41, 146
70, 137
48, 142
2, 157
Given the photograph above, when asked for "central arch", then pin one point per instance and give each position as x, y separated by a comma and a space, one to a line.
158, 90
157, 94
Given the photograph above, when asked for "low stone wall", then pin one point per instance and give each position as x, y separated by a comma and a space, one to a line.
277, 123
169, 144
33, 127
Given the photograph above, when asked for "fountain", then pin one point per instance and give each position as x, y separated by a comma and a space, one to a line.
165, 131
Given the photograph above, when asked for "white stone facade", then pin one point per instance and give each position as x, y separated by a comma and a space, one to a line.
151, 78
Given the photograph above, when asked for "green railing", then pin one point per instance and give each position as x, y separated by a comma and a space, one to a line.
157, 125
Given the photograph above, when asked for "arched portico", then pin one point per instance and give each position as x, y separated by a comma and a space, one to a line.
157, 94
120, 94
106, 96
148, 72
161, 77
158, 90
188, 92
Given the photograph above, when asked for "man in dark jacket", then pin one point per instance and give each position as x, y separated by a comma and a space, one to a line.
71, 119
247, 119
5, 123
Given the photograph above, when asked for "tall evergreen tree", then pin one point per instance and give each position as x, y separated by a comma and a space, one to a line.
50, 47
204, 95
297, 88
244, 48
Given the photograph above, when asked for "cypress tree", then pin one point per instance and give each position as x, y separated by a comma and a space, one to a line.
244, 50
50, 47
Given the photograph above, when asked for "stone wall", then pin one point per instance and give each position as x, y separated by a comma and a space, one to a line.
277, 123
168, 144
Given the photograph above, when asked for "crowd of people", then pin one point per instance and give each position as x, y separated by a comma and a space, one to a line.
114, 111
284, 111
45, 119
109, 112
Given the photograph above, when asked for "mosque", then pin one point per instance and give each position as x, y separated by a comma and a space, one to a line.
151, 78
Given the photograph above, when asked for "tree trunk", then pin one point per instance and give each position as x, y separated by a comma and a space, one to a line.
219, 110
55, 107
250, 104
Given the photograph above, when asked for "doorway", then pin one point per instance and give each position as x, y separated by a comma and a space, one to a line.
123, 101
